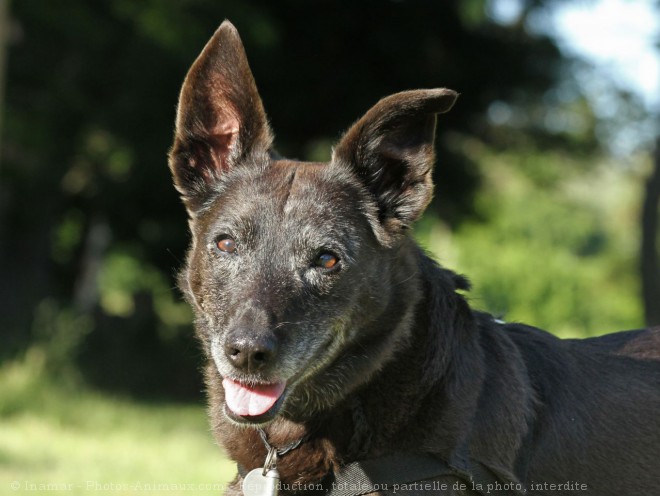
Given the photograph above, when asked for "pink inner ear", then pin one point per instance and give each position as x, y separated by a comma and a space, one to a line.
223, 138
229, 125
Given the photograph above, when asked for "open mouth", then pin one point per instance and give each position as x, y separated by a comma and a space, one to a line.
256, 403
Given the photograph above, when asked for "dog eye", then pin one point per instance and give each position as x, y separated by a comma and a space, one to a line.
326, 261
226, 244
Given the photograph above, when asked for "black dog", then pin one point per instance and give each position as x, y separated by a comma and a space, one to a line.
331, 335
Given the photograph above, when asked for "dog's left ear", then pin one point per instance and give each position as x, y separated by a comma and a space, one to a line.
391, 150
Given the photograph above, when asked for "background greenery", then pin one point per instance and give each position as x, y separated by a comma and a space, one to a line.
99, 371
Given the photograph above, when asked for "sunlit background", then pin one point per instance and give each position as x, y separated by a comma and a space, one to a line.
547, 194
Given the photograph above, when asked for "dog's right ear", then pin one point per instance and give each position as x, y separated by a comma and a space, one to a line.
220, 118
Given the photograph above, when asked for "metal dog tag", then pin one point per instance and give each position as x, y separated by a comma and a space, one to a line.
263, 481
258, 484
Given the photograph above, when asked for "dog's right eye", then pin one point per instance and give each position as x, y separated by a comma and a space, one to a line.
226, 244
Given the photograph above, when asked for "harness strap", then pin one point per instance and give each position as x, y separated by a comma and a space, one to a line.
363, 477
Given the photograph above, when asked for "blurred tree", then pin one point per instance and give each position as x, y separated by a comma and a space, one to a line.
4, 40
89, 222
649, 258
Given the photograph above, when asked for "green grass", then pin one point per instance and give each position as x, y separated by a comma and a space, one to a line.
84, 442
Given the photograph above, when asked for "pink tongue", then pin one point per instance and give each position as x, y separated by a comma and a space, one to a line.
251, 400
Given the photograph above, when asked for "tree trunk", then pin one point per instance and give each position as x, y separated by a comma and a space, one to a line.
650, 265
4, 41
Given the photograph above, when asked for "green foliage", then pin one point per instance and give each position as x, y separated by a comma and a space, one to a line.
66, 236
57, 335
554, 248
92, 231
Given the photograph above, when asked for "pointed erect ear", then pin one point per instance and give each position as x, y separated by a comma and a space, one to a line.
220, 118
391, 150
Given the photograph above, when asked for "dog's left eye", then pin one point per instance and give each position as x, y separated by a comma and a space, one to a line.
326, 260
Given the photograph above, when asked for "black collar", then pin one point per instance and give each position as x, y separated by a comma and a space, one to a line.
408, 473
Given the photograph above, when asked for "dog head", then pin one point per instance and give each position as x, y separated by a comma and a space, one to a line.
295, 269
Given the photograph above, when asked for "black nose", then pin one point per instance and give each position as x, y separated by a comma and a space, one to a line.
250, 353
